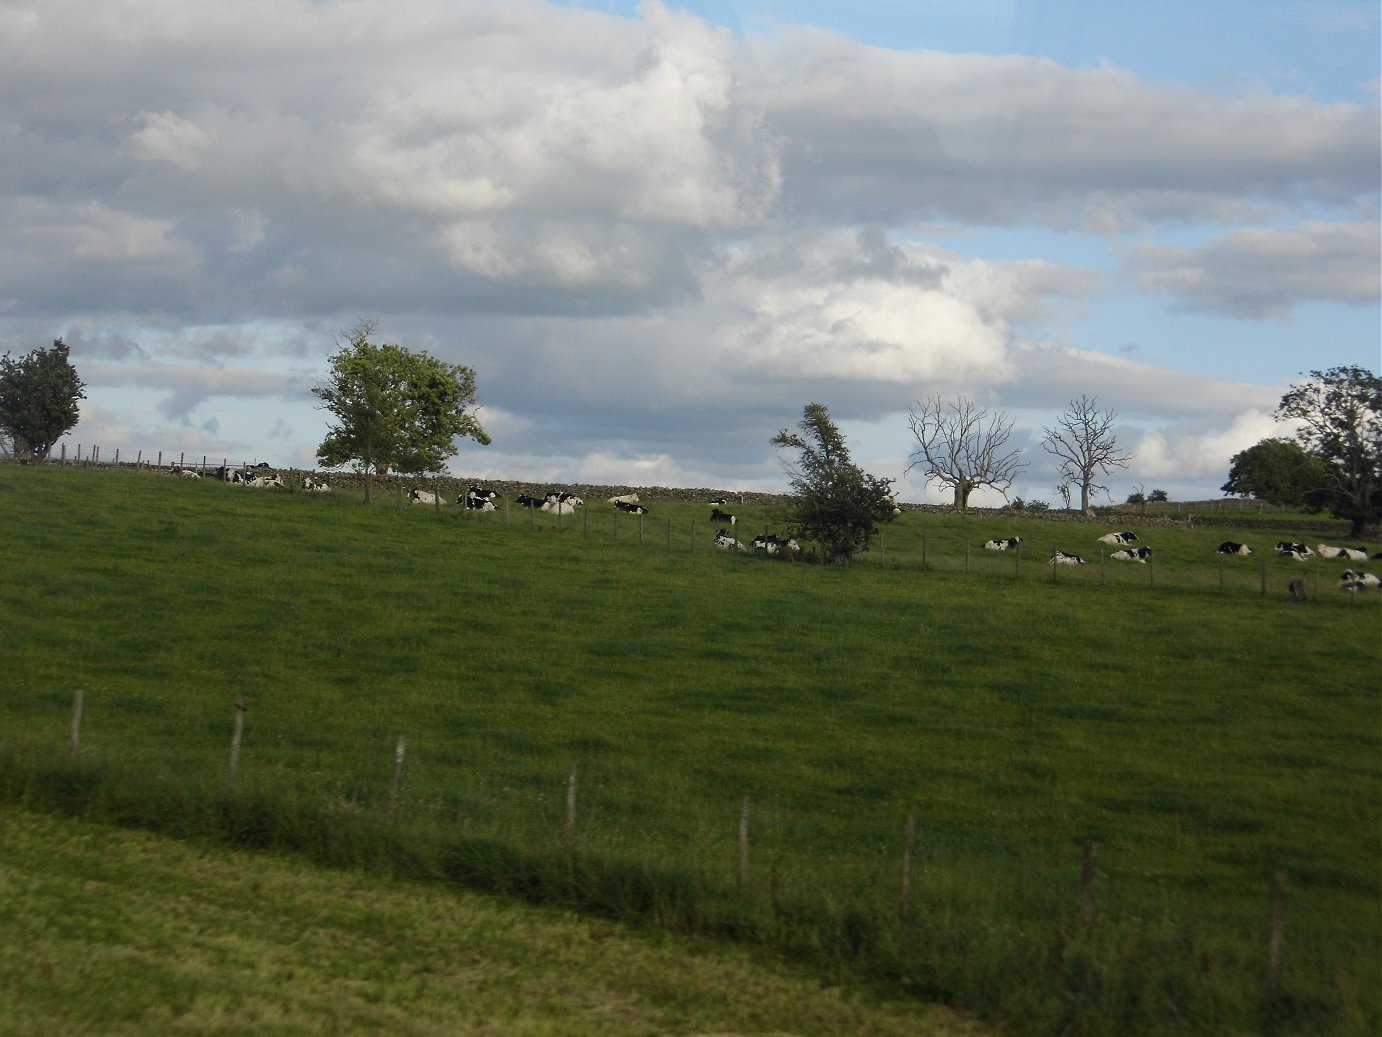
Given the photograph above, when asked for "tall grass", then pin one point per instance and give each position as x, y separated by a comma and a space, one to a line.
1205, 735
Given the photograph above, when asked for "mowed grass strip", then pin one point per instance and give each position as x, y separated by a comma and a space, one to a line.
1205, 738
112, 932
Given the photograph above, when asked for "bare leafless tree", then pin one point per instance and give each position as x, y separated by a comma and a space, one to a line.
961, 446
1083, 441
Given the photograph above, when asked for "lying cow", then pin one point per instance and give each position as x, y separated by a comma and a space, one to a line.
626, 498
187, 473
558, 507
630, 507
524, 501
423, 497
1061, 558
725, 541
1287, 549
772, 544
716, 515
1229, 547
479, 499
1356, 580
1132, 554
1352, 554
266, 480
315, 485
562, 497
1010, 544
1118, 538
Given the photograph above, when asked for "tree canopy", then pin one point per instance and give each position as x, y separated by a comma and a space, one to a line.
835, 503
1339, 412
395, 409
1281, 472
38, 400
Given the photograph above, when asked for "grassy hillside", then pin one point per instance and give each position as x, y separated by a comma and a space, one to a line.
121, 933
1203, 729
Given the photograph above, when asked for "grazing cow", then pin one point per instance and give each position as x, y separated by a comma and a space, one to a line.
726, 542
1287, 549
315, 485
1118, 538
1349, 553
631, 507
1229, 547
1061, 558
627, 498
524, 501
716, 515
1132, 554
423, 497
1356, 580
1010, 544
772, 544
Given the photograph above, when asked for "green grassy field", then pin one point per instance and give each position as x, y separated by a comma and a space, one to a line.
118, 933
1206, 731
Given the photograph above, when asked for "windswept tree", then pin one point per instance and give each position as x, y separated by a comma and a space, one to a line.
1084, 443
835, 503
1340, 411
394, 409
38, 400
963, 447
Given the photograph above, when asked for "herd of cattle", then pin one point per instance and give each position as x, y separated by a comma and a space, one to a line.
479, 498
1352, 580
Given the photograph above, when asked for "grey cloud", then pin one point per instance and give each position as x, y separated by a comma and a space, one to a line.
1265, 273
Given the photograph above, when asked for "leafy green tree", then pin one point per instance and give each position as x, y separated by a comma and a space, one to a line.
394, 409
835, 503
38, 400
1340, 411
1158, 497
1281, 472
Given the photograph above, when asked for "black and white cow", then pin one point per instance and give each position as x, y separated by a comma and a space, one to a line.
772, 544
1229, 547
524, 501
1061, 558
312, 485
1351, 554
630, 508
1356, 580
1010, 544
477, 498
562, 497
1287, 549
423, 497
1132, 554
266, 480
1118, 538
625, 498
716, 515
718, 502
725, 541
187, 473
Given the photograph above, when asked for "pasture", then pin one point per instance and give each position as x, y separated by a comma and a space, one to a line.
1205, 731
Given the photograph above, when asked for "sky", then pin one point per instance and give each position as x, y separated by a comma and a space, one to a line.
657, 231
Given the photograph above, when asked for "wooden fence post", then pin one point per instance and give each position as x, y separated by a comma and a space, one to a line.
1088, 872
908, 840
569, 829
76, 740
1276, 941
64, 455
397, 772
743, 843
240, 708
